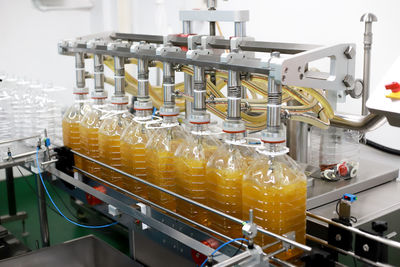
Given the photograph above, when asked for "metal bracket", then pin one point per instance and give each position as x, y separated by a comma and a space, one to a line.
294, 69
214, 15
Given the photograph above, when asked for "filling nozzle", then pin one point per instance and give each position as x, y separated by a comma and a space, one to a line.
80, 87
99, 95
169, 109
119, 97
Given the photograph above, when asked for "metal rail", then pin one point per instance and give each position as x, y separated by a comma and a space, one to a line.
236, 220
18, 139
350, 253
385, 241
157, 206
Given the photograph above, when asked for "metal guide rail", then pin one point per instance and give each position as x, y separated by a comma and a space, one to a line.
292, 68
162, 227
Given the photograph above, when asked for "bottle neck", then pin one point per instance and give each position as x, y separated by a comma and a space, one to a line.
99, 101
118, 107
199, 127
274, 147
143, 114
234, 136
169, 120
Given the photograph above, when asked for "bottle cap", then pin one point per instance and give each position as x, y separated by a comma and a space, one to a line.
81, 91
199, 117
119, 100
99, 95
143, 105
169, 111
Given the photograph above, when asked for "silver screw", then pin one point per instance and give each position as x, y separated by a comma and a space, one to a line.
338, 237
366, 247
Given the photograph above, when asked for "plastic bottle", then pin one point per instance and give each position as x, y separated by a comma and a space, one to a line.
162, 164
225, 170
17, 90
332, 147
89, 132
71, 121
110, 133
133, 149
276, 189
57, 99
192, 160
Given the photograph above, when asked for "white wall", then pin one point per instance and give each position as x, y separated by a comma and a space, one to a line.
29, 37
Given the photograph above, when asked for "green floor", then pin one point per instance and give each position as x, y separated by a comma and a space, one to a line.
60, 229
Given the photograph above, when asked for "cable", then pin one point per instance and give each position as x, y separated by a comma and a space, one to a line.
34, 191
54, 204
223, 245
383, 148
237, 251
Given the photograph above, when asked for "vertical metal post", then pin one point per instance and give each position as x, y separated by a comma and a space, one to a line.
12, 206
44, 224
132, 247
187, 79
297, 138
367, 18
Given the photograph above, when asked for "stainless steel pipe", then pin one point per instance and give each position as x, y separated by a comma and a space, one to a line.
356, 122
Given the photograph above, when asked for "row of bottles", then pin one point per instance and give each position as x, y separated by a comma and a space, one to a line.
223, 175
28, 107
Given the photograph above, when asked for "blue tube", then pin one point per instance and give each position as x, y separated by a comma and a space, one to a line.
59, 211
223, 245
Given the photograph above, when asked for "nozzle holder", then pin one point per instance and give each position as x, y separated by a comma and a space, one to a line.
272, 137
95, 43
99, 95
199, 117
233, 126
81, 91
169, 111
119, 100
143, 105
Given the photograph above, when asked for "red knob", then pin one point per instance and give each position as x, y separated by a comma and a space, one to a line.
343, 170
394, 86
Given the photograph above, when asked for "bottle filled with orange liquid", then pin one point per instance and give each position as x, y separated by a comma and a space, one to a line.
133, 149
192, 158
71, 121
225, 171
89, 132
161, 162
110, 131
276, 189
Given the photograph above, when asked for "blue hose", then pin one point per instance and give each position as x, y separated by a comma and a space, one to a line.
59, 211
223, 245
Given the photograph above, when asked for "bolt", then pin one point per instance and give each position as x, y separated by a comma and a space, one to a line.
348, 81
350, 52
338, 237
366, 247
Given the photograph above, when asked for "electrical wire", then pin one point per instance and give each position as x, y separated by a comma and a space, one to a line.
223, 245
383, 148
55, 206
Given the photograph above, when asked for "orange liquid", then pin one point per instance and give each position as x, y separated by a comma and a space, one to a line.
90, 147
278, 200
133, 158
110, 146
162, 172
71, 139
225, 188
191, 183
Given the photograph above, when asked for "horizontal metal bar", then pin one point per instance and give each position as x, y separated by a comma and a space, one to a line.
268, 47
345, 252
161, 227
156, 205
234, 260
155, 39
18, 139
385, 241
236, 220
22, 155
